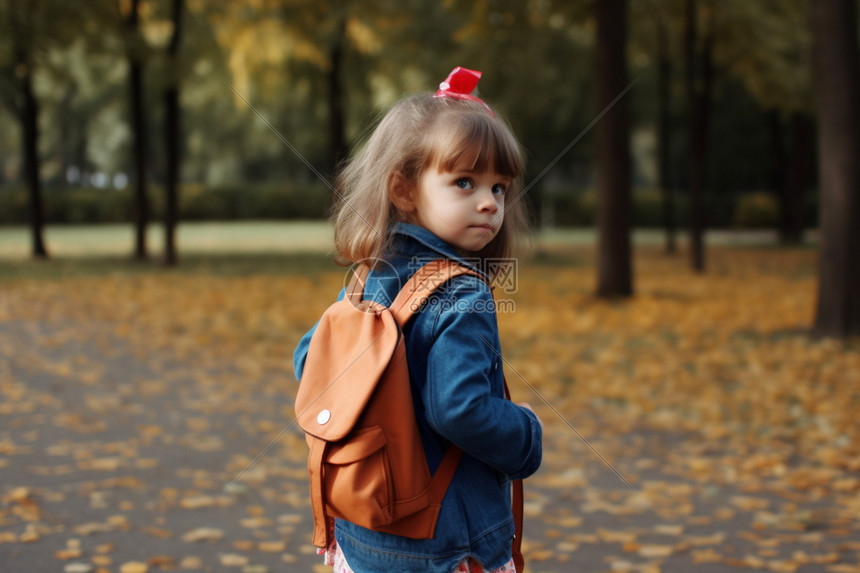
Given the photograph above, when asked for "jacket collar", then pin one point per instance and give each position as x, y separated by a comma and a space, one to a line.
429, 246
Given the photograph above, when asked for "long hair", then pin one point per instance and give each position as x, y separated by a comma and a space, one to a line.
416, 134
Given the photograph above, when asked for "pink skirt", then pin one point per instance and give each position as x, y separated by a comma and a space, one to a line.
333, 557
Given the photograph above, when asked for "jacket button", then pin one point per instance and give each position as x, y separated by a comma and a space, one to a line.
323, 417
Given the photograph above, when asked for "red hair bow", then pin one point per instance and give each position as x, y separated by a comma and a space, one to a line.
460, 84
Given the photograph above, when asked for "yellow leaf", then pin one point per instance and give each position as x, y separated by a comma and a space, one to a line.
232, 559
654, 551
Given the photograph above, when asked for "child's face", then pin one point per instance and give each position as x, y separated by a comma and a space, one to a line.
464, 208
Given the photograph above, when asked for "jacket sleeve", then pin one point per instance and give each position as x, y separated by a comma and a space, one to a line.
300, 355
461, 393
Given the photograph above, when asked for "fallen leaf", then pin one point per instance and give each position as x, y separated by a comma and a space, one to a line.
78, 568
161, 561
203, 534
272, 546
191, 563
653, 551
232, 559
66, 554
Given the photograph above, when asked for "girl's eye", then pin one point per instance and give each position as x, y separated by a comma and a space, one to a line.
464, 183
499, 189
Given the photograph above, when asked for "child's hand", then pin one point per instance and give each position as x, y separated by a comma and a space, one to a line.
530, 409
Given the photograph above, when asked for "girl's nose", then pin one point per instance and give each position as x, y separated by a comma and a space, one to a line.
487, 202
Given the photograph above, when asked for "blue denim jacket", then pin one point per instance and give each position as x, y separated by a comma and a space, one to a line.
455, 367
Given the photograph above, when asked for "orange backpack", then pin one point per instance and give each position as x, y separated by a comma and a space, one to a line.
367, 463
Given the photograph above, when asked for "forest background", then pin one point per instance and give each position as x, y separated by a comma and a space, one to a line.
320, 72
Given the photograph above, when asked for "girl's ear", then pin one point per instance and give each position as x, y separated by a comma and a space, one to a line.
400, 192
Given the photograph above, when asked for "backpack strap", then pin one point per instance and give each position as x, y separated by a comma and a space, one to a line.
422, 284
355, 289
445, 473
517, 509
410, 298
315, 466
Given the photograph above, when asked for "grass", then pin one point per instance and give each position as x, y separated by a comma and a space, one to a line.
254, 247
232, 249
208, 237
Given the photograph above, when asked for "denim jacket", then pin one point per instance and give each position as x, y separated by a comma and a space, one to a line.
455, 367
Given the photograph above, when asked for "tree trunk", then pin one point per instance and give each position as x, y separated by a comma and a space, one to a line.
664, 134
615, 276
30, 141
777, 172
27, 108
140, 208
699, 72
837, 85
171, 140
337, 137
798, 178
171, 175
790, 177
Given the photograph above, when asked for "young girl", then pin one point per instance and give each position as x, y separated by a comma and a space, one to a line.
439, 178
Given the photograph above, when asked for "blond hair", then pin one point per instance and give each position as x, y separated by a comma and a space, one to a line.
416, 134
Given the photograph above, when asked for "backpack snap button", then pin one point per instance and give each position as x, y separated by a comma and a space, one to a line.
323, 417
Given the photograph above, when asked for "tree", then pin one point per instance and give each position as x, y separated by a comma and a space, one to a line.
768, 48
338, 150
171, 137
699, 75
22, 26
664, 132
799, 177
837, 83
135, 48
301, 54
615, 276
791, 170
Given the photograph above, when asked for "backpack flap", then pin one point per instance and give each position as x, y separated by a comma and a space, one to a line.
348, 354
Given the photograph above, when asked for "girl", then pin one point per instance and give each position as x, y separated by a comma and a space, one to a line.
439, 178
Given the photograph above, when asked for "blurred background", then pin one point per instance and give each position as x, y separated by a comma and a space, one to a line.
674, 115
96, 75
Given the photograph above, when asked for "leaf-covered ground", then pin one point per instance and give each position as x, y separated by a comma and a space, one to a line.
695, 427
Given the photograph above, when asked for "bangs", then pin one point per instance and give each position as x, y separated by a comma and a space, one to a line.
476, 141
